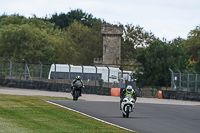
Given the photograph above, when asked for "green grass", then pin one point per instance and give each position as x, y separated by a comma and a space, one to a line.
31, 114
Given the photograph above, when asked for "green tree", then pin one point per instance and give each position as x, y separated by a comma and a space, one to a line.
65, 20
156, 60
19, 42
13, 19
31, 39
34, 39
134, 37
192, 44
197, 64
87, 43
64, 48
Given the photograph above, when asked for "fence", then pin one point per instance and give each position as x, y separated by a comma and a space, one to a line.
22, 72
185, 81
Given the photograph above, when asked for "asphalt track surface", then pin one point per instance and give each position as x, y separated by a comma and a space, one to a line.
146, 118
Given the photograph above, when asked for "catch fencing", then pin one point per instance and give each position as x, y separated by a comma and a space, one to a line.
24, 75
185, 81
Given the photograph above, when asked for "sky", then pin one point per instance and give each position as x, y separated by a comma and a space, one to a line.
167, 19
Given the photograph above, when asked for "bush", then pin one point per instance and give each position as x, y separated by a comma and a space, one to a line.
100, 82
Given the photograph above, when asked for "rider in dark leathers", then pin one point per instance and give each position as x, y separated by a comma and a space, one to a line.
78, 78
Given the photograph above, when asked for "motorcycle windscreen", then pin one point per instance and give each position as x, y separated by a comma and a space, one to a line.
78, 84
129, 96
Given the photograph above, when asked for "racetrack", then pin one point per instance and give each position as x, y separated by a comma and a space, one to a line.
150, 114
146, 118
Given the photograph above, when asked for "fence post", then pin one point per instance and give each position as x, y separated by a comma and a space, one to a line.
108, 75
95, 75
188, 79
41, 70
55, 75
172, 78
195, 80
82, 71
179, 80
25, 67
69, 73
121, 68
10, 69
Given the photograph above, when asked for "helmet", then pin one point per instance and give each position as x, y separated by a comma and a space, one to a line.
78, 77
129, 88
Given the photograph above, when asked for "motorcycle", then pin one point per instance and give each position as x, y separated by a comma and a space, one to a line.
127, 105
76, 90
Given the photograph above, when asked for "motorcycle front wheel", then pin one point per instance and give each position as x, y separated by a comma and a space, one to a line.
123, 114
127, 112
76, 95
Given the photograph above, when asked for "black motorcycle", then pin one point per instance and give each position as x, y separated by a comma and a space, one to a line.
76, 90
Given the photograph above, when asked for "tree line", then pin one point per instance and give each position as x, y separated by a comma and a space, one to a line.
75, 38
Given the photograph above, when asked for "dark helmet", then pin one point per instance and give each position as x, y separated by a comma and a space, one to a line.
78, 77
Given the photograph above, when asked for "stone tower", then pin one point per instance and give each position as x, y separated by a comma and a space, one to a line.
111, 46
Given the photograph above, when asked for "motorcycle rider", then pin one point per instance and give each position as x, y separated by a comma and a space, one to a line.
78, 78
128, 91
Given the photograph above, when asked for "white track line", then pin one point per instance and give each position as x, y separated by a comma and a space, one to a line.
90, 116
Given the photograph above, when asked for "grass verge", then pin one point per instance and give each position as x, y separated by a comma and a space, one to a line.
31, 114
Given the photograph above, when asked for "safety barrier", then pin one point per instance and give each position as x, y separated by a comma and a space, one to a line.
115, 91
59, 87
181, 95
160, 94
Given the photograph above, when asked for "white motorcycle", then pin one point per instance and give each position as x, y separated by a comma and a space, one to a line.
127, 105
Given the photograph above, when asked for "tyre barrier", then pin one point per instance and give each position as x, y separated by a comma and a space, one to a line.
40, 85
181, 95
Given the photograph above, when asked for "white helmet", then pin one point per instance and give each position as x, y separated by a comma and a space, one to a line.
129, 88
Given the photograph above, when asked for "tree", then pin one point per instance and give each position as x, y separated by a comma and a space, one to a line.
134, 37
197, 64
156, 60
13, 19
31, 39
34, 39
19, 42
192, 44
137, 36
65, 20
87, 43
65, 51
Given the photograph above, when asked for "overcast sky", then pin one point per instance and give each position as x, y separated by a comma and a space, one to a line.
164, 18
